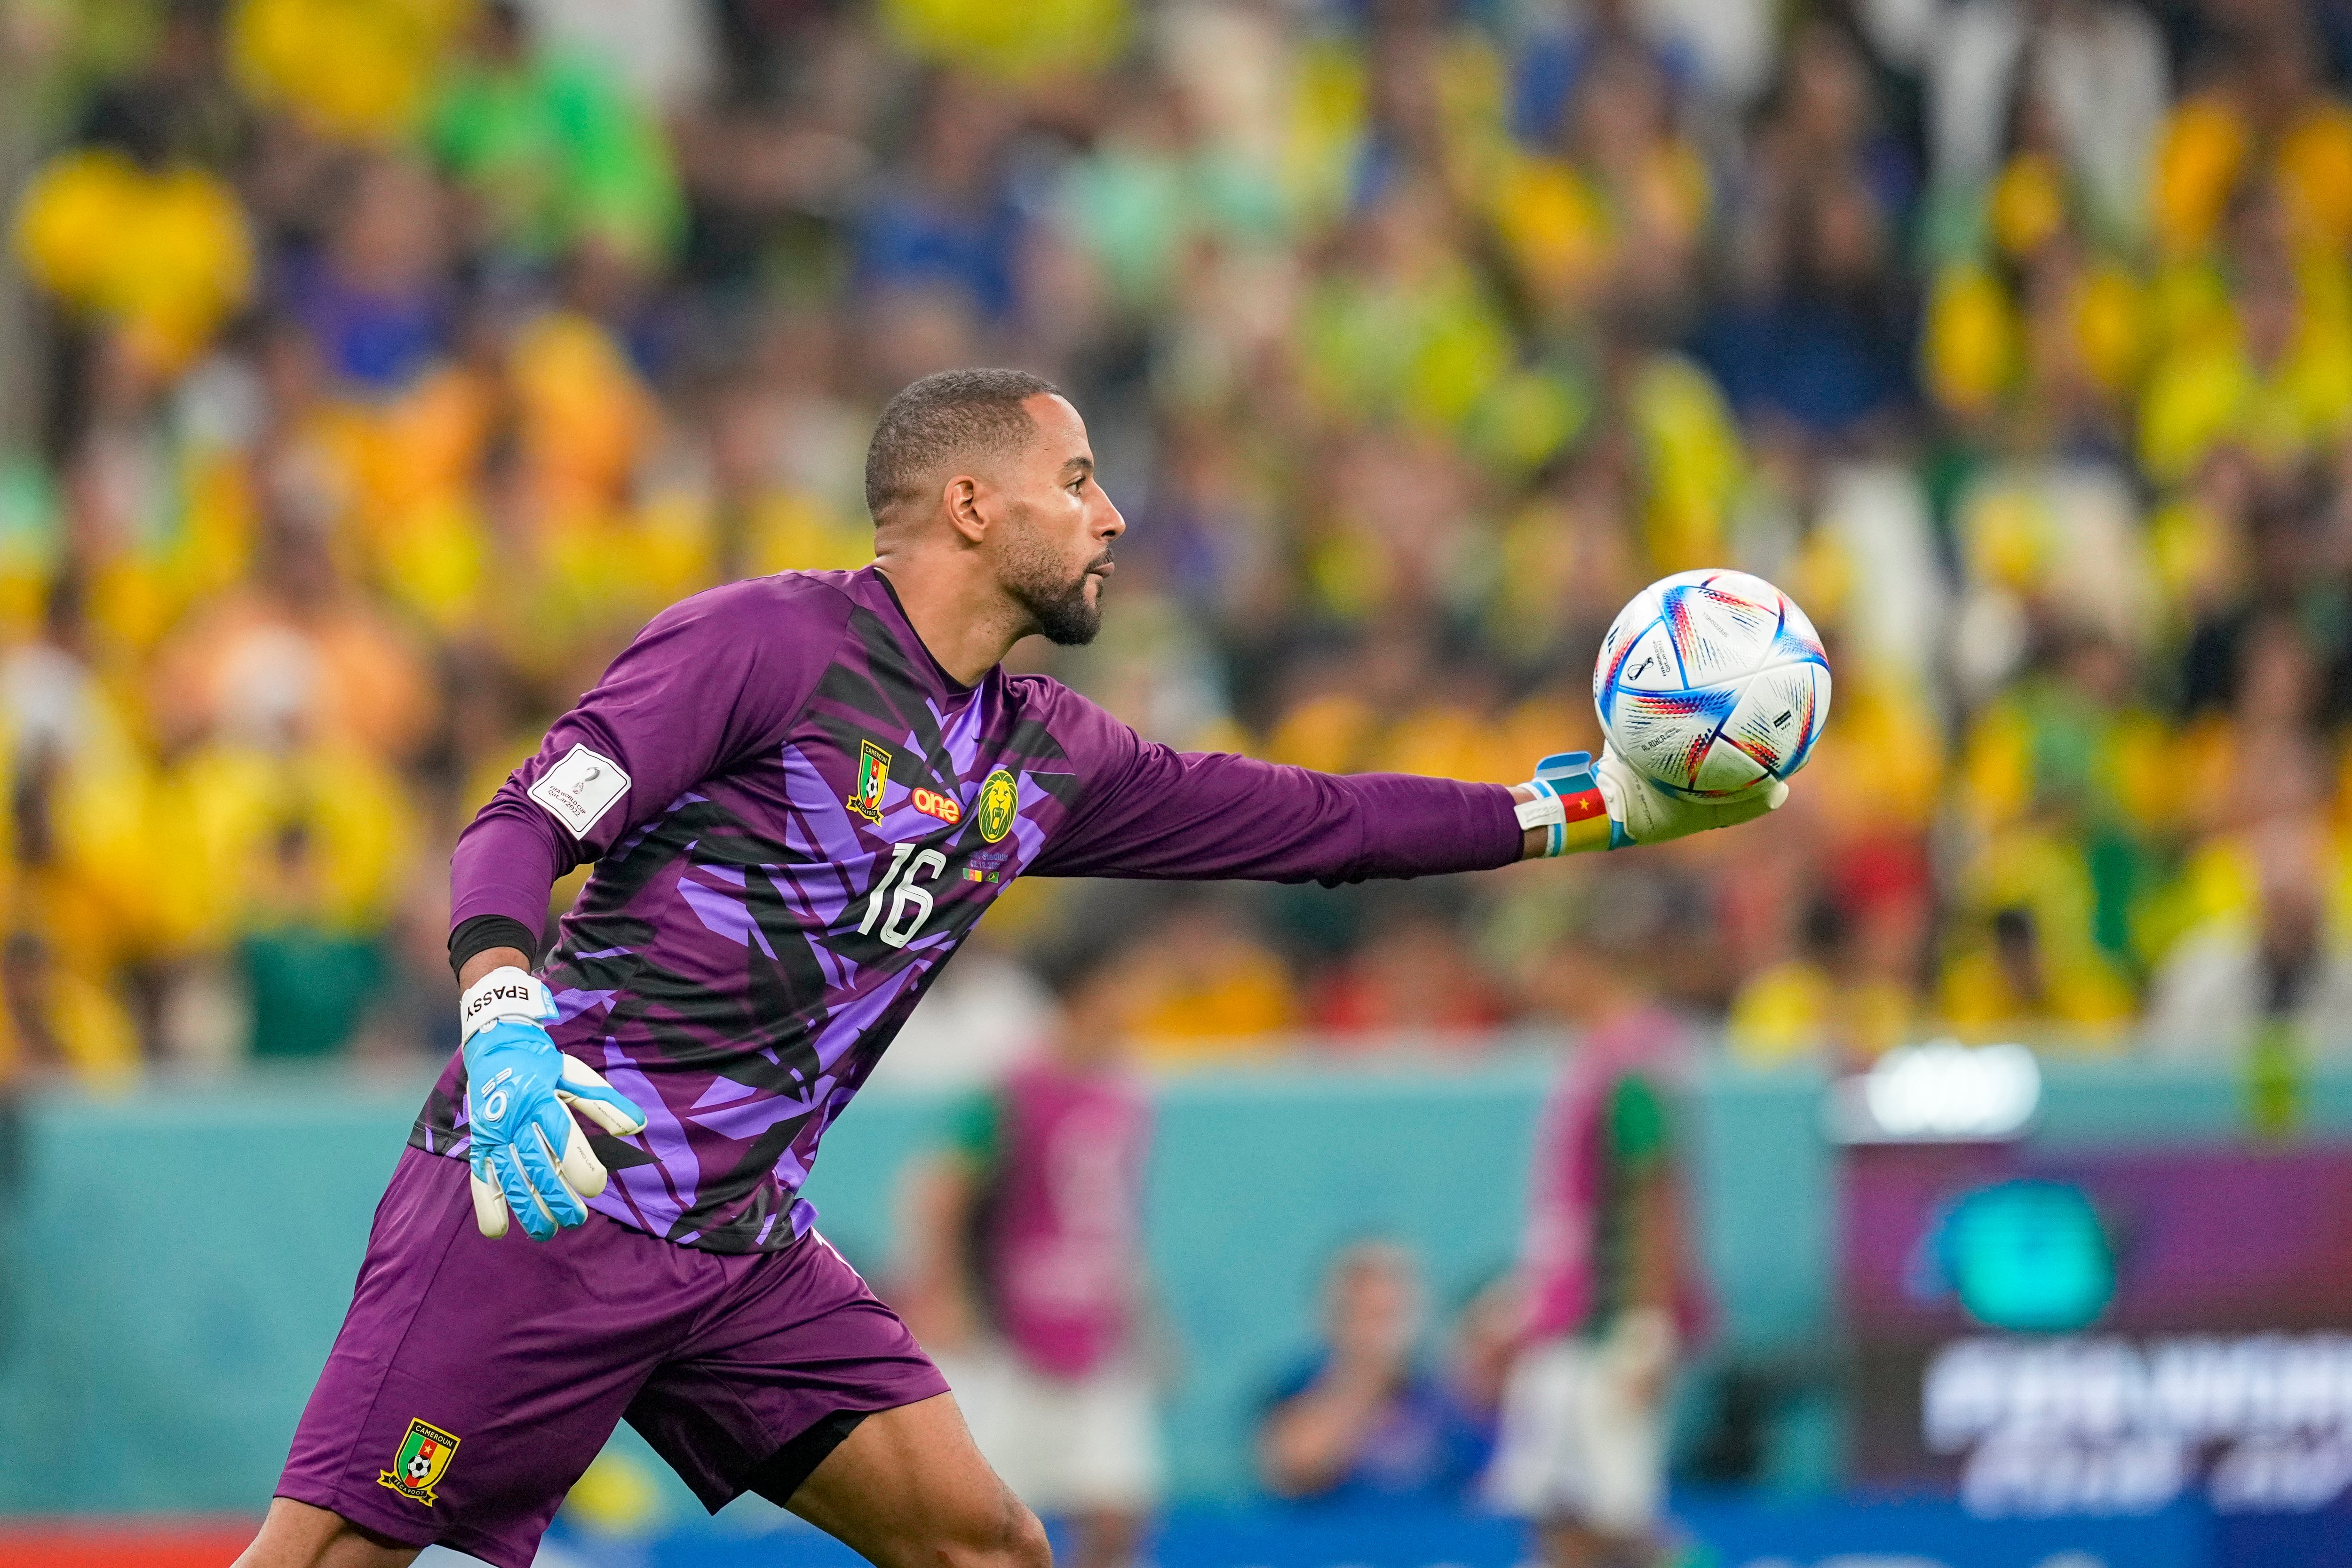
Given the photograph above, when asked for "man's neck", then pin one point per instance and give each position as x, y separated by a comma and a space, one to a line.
964, 620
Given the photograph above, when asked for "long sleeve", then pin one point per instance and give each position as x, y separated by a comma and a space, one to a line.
708, 681
1144, 810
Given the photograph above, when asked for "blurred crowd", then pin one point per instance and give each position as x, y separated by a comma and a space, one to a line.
370, 370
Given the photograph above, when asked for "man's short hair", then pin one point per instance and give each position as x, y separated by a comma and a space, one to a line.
948, 417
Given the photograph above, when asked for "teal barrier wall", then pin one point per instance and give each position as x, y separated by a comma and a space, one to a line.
177, 1265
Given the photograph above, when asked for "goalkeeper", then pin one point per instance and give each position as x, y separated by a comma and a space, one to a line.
800, 792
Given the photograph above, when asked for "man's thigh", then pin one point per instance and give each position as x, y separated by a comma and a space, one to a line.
908, 1488
474, 1380
795, 1352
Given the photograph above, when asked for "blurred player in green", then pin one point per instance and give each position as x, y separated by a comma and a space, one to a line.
1613, 1298
1027, 1277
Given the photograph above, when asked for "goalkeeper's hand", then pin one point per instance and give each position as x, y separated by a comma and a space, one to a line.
1608, 804
529, 1156
1645, 814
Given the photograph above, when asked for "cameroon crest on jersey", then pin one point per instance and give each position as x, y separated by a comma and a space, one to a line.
873, 778
423, 1458
998, 799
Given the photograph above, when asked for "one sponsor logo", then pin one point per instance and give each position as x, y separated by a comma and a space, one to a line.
873, 778
423, 1459
580, 789
931, 803
999, 800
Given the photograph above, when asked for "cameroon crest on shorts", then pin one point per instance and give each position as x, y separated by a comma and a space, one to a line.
423, 1456
873, 778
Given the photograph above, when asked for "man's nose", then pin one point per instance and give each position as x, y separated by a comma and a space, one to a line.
1113, 524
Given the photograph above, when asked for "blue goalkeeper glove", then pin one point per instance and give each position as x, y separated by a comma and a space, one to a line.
529, 1157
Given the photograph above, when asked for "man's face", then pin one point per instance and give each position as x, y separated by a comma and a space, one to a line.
1375, 1307
1055, 545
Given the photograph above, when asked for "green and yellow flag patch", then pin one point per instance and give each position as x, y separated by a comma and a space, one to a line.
424, 1455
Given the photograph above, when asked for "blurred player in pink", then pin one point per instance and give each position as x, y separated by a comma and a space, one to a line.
1028, 1284
1613, 1298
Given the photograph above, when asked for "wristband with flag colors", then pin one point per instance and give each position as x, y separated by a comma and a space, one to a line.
1570, 807
1608, 805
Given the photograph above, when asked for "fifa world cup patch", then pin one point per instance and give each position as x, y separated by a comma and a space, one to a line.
873, 778
423, 1459
999, 799
580, 788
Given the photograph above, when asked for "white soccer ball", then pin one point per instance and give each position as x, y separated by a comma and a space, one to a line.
1712, 684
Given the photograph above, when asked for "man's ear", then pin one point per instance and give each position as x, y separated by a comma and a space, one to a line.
962, 500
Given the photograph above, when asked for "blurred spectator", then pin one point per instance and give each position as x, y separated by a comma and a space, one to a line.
1412, 978
1614, 1298
376, 298
1818, 333
2268, 365
2284, 969
951, 223
1027, 1283
1825, 997
1364, 1419
79, 899
1551, 62
2007, 977
1208, 984
1164, 183
2094, 67
550, 151
786, 481
2260, 115
138, 242
1608, 213
349, 70
302, 654
177, 103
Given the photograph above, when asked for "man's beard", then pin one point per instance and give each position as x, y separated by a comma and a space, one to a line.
1060, 607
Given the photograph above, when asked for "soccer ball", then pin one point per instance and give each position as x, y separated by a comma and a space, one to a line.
1712, 684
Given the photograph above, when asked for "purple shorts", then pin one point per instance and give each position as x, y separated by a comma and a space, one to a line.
474, 1380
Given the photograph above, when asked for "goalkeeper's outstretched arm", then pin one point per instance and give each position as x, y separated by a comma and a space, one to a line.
1145, 810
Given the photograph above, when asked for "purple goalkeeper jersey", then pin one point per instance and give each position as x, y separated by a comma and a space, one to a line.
796, 815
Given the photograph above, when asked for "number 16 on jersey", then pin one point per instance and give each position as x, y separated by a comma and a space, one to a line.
912, 905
